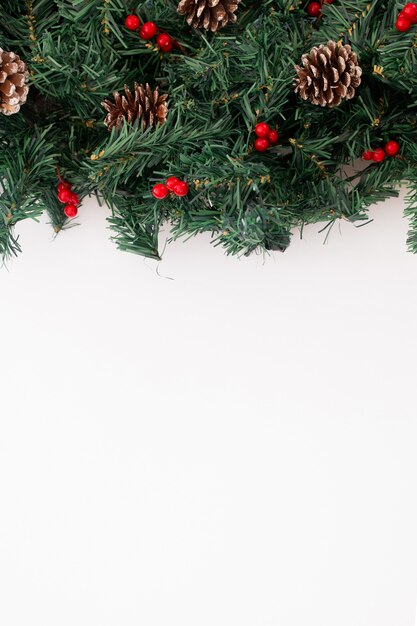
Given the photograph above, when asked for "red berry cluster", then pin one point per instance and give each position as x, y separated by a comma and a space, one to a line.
67, 197
148, 30
177, 186
407, 17
391, 149
314, 8
266, 137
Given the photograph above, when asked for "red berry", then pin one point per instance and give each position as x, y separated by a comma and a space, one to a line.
164, 42
132, 22
160, 191
261, 144
181, 189
148, 30
74, 199
392, 148
402, 24
273, 137
329, 1
379, 155
65, 195
262, 129
367, 155
64, 185
171, 182
410, 12
71, 210
314, 9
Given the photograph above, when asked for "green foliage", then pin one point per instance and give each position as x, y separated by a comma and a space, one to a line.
219, 85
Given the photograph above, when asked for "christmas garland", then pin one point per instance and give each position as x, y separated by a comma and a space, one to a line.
243, 118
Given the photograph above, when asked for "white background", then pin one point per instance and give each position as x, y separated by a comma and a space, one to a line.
234, 447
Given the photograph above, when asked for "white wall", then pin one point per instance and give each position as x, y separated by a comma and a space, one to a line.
234, 447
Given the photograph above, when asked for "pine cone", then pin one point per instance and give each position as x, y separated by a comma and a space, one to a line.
209, 14
146, 106
329, 75
14, 78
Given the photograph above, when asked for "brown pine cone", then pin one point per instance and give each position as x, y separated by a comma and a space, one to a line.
14, 78
146, 106
329, 75
209, 14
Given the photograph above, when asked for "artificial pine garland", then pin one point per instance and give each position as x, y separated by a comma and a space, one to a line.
244, 118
